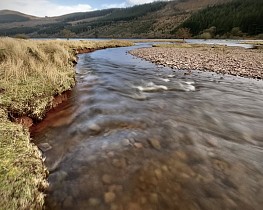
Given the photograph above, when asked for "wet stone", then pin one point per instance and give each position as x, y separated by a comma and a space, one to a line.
119, 163
115, 188
44, 147
107, 179
125, 142
158, 173
113, 206
181, 155
134, 206
132, 140
143, 200
165, 168
138, 145
154, 198
155, 144
109, 197
68, 202
94, 202
94, 127
110, 154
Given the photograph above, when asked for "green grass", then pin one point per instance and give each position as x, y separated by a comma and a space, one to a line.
22, 174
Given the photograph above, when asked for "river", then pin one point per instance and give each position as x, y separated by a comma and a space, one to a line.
136, 136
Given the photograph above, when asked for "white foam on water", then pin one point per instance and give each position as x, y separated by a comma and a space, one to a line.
171, 75
149, 87
165, 79
187, 86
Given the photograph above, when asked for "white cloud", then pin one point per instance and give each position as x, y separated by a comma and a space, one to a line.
128, 3
133, 2
42, 8
107, 6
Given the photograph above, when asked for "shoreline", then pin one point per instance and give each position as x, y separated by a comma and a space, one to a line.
26, 96
234, 61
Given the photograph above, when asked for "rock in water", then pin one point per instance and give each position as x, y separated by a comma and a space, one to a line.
107, 179
109, 197
44, 147
155, 144
125, 142
138, 145
94, 202
94, 127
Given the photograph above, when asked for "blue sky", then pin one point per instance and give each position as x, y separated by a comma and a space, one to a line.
43, 8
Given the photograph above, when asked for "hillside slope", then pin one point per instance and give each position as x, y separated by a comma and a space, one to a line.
154, 20
9, 16
235, 18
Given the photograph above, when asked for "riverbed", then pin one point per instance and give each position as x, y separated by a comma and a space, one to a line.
134, 135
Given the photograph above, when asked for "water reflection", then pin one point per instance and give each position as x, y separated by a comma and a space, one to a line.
137, 136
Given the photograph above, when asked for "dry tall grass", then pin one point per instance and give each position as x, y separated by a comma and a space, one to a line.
31, 73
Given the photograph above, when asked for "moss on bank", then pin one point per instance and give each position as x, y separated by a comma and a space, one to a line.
21, 170
31, 73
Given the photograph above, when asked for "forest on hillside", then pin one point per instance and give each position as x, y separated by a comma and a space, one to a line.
234, 19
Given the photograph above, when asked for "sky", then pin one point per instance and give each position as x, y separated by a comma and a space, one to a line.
42, 8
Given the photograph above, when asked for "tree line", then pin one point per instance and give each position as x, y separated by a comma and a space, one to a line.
236, 18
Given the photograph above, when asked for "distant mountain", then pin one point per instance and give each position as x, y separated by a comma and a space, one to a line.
154, 20
9, 16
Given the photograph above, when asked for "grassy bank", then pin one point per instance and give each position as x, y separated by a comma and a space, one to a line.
32, 72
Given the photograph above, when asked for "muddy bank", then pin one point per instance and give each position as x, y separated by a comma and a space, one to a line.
225, 60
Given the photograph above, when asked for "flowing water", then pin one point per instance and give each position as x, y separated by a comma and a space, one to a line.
136, 136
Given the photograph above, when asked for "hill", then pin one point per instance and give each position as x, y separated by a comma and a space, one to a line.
9, 16
236, 18
153, 20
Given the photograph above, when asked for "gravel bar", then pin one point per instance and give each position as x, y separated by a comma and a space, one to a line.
236, 61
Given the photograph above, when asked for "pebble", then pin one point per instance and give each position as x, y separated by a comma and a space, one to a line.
110, 154
181, 155
154, 198
125, 142
115, 188
94, 127
165, 168
119, 163
143, 200
94, 202
107, 179
158, 173
132, 140
44, 147
155, 144
134, 206
138, 145
109, 197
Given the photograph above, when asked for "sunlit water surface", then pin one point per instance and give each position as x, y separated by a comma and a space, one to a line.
135, 136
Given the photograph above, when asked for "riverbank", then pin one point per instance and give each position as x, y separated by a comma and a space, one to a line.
32, 73
236, 61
